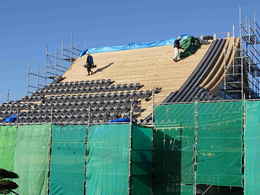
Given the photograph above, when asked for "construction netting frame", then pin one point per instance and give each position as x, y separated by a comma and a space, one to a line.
7, 146
252, 145
141, 160
32, 158
119, 159
220, 144
25, 150
78, 159
173, 149
198, 143
108, 159
201, 143
67, 166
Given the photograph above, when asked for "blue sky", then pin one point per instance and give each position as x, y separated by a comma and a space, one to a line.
27, 27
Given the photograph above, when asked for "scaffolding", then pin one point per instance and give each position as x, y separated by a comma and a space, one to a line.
35, 80
57, 63
241, 77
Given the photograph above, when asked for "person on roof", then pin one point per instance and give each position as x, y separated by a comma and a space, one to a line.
176, 49
90, 64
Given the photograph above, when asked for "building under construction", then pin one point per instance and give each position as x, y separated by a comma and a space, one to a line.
141, 123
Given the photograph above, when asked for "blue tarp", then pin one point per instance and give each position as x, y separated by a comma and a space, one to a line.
132, 46
83, 52
10, 119
120, 120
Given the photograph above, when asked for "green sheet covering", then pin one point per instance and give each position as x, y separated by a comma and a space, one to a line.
174, 115
220, 144
108, 160
67, 173
173, 147
173, 155
32, 159
252, 148
7, 146
141, 160
218, 149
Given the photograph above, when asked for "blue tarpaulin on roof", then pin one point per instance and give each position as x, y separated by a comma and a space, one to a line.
133, 46
10, 119
83, 52
120, 120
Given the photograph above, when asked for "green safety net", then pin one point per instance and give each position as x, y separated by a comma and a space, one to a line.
32, 159
174, 115
173, 149
184, 190
252, 151
173, 154
108, 159
67, 169
219, 150
141, 160
7, 146
217, 129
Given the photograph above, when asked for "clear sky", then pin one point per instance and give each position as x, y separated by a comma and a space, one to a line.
27, 27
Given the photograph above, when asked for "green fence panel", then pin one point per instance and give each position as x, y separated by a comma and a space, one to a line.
141, 160
252, 148
108, 159
220, 144
32, 159
7, 146
175, 115
184, 190
67, 173
173, 148
173, 156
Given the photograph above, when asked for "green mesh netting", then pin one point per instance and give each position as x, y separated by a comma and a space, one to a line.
67, 169
173, 149
173, 155
32, 159
218, 149
220, 144
7, 146
108, 159
252, 148
141, 160
174, 115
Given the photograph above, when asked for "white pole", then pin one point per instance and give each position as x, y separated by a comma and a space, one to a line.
233, 31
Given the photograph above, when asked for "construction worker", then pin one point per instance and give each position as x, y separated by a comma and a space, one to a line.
176, 49
90, 64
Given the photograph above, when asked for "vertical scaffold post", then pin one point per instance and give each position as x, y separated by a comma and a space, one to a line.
241, 54
86, 152
88, 125
28, 80
152, 107
49, 159
72, 46
51, 114
17, 115
130, 152
233, 31
244, 110
89, 114
196, 129
46, 65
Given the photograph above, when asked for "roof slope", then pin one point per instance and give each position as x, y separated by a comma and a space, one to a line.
152, 67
